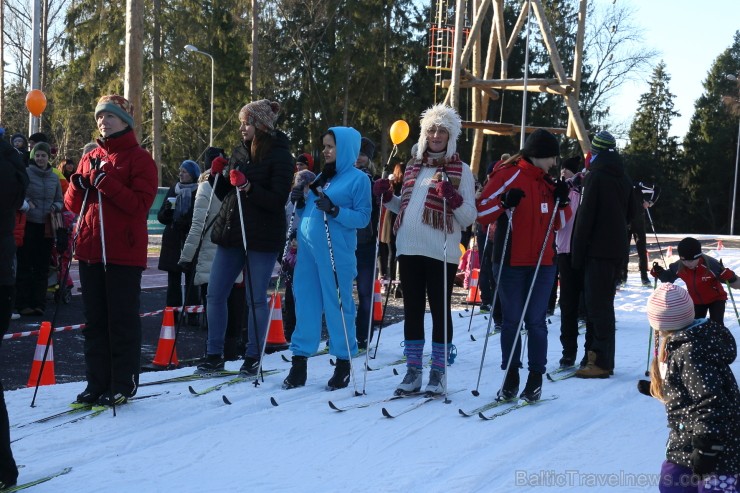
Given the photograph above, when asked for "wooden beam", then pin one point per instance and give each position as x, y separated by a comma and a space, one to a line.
496, 128
474, 35
478, 136
571, 103
578, 60
517, 29
469, 80
454, 91
551, 86
498, 19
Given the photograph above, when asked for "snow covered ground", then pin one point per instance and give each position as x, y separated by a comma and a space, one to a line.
599, 435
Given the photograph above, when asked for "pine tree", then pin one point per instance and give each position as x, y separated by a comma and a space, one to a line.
710, 146
652, 155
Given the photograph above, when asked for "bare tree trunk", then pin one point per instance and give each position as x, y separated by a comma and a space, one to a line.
255, 52
133, 77
2, 58
156, 100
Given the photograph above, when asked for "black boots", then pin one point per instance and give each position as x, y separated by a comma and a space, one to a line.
511, 385
297, 375
340, 379
533, 389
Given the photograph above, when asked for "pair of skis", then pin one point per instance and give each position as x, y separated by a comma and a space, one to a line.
515, 404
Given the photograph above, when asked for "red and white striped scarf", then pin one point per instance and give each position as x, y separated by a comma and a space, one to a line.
433, 205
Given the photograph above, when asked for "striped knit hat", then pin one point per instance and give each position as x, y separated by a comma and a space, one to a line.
670, 308
603, 141
262, 114
117, 105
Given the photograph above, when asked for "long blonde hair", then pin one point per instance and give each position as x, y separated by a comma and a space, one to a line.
656, 379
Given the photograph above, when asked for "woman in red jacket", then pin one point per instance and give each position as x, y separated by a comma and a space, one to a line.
521, 192
117, 181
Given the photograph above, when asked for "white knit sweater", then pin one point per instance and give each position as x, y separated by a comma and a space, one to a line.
416, 238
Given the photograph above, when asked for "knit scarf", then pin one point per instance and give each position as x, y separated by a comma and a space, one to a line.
184, 193
433, 204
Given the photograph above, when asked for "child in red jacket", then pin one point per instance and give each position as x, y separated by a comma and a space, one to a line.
703, 276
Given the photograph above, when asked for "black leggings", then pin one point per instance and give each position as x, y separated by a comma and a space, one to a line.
422, 277
716, 311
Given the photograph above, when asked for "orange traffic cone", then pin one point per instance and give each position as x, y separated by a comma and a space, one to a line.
720, 246
276, 334
670, 252
377, 303
473, 291
47, 375
166, 340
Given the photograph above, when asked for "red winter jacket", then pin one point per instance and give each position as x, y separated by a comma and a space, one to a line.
531, 217
127, 190
702, 283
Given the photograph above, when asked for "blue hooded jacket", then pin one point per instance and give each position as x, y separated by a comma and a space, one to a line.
349, 190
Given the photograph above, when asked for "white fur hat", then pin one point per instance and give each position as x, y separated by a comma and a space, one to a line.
442, 116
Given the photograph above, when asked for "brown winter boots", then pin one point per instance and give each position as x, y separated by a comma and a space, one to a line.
592, 370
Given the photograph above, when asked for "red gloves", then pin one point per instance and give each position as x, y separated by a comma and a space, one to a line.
382, 187
446, 191
238, 179
218, 165
727, 275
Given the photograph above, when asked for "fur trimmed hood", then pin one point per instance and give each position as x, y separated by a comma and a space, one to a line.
443, 116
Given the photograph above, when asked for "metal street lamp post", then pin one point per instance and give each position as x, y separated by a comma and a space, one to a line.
737, 156
193, 49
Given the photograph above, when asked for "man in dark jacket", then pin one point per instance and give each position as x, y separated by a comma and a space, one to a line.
113, 190
598, 246
14, 178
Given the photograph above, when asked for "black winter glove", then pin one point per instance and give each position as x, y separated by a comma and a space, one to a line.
185, 266
297, 197
657, 270
511, 198
325, 204
82, 182
704, 457
561, 193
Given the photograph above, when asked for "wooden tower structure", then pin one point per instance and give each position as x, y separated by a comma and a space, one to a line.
457, 50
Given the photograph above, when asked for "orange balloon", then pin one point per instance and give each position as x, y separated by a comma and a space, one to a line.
36, 102
399, 131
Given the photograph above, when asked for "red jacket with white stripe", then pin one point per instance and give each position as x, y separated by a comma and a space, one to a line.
531, 218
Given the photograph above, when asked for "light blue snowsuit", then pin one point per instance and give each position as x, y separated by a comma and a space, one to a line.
314, 286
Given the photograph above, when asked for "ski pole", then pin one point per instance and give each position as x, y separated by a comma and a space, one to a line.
475, 392
277, 292
66, 276
252, 308
370, 311
320, 192
189, 282
447, 291
732, 297
475, 290
660, 248
520, 327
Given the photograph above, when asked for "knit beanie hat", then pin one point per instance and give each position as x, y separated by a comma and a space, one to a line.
119, 106
38, 137
41, 146
367, 148
304, 178
305, 159
443, 116
603, 141
541, 144
669, 307
192, 168
262, 114
689, 248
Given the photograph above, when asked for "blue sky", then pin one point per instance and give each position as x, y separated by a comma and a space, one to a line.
689, 36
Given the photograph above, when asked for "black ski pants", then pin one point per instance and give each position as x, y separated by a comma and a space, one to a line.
110, 296
600, 286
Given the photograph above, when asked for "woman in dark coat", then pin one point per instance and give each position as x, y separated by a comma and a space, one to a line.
260, 170
176, 213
